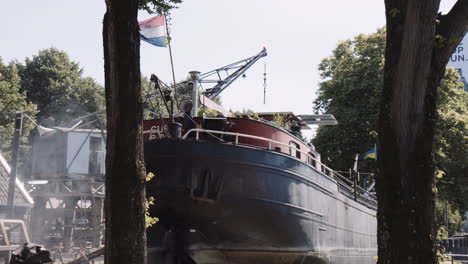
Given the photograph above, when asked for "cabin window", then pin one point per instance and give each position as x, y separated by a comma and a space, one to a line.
293, 150
311, 159
95, 156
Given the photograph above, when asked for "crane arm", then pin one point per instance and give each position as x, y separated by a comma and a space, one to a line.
222, 83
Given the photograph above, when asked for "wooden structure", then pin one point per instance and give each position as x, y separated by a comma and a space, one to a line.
13, 234
68, 188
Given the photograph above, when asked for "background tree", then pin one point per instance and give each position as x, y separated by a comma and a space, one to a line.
125, 171
56, 85
451, 139
419, 43
351, 91
12, 100
449, 217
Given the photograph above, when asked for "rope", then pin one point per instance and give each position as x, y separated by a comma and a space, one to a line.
82, 117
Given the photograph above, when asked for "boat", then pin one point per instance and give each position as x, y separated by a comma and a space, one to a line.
239, 190
243, 189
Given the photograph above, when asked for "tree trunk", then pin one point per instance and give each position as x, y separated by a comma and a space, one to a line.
415, 61
125, 237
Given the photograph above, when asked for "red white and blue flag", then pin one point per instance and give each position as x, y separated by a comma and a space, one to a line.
152, 31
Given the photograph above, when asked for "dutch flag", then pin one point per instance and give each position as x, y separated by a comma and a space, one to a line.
152, 31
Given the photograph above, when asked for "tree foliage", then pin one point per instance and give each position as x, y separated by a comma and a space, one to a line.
350, 90
451, 139
446, 212
158, 6
56, 85
12, 100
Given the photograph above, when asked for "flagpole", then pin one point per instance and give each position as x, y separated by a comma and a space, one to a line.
172, 63
375, 146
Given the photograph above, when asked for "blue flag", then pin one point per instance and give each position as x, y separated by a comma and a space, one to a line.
372, 154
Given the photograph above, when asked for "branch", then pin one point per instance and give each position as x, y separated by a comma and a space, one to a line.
451, 29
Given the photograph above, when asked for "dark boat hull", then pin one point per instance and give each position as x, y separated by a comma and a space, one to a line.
220, 203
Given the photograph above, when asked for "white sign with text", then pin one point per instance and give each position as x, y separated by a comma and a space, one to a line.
459, 60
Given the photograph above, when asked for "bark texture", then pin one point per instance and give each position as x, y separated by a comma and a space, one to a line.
419, 43
125, 171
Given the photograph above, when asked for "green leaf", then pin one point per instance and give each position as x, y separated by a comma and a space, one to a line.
439, 174
440, 41
394, 12
149, 176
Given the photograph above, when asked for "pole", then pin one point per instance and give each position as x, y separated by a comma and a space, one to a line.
355, 185
355, 174
264, 83
364, 182
14, 163
446, 216
172, 63
194, 76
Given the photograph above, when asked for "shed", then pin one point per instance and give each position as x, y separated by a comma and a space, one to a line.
69, 154
23, 202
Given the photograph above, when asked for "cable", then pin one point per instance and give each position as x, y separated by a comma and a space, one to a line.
264, 82
81, 117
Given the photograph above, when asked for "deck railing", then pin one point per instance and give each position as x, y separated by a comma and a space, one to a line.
319, 166
455, 258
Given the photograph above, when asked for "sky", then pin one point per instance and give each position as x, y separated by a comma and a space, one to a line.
207, 34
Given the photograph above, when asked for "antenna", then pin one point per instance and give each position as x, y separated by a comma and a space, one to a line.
264, 82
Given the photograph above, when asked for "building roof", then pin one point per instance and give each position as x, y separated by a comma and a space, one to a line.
22, 198
46, 131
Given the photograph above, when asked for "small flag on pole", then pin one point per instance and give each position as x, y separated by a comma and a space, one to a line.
152, 31
372, 154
